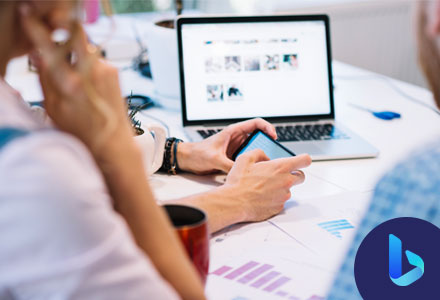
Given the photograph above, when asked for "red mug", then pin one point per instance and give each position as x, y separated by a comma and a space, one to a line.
192, 227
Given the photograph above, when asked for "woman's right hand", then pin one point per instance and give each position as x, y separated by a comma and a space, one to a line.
263, 186
83, 99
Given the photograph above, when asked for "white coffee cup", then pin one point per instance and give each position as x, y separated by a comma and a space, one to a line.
152, 144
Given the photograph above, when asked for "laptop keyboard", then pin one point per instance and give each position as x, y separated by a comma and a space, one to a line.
207, 133
294, 133
315, 132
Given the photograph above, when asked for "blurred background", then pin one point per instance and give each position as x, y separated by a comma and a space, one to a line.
372, 34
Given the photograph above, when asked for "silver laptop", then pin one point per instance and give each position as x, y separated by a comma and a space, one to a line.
274, 67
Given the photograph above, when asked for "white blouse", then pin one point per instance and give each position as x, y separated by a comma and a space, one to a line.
59, 235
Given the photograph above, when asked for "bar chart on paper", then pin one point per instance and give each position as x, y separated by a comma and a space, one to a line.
336, 227
262, 277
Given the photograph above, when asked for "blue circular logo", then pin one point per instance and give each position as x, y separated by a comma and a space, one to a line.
399, 259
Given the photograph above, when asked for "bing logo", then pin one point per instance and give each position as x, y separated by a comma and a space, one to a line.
395, 263
399, 259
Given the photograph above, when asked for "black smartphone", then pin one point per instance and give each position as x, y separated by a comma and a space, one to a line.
259, 140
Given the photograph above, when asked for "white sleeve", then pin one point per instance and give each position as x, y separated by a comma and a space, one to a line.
59, 236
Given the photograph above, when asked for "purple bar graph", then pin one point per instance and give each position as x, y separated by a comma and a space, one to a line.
222, 270
265, 279
281, 293
260, 275
237, 272
277, 283
255, 273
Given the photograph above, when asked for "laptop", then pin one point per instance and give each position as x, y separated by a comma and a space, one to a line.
274, 67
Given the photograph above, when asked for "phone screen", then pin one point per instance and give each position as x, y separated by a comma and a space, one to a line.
272, 149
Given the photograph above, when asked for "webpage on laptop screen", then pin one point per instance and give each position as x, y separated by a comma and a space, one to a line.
263, 69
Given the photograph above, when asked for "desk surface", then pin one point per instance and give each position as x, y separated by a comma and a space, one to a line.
293, 244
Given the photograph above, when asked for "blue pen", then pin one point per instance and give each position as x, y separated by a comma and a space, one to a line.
383, 115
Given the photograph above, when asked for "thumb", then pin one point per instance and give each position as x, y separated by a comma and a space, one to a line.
253, 156
225, 164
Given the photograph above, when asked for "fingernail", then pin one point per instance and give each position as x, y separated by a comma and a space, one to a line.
24, 9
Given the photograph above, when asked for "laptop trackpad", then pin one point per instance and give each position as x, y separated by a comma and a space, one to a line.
300, 148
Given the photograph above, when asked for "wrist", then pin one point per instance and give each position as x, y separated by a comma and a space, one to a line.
119, 152
223, 205
184, 153
235, 202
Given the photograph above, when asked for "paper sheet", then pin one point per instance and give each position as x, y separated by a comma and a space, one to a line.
295, 254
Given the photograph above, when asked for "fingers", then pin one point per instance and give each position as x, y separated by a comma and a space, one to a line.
51, 56
247, 127
292, 164
253, 156
80, 42
298, 177
39, 36
86, 53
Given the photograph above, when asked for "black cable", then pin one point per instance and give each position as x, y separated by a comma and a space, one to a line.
392, 85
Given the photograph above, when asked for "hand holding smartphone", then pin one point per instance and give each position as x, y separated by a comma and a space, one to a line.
259, 140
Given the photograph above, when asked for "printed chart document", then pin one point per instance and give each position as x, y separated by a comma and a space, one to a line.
324, 225
295, 255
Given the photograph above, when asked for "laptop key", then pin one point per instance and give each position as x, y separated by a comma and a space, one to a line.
203, 133
319, 128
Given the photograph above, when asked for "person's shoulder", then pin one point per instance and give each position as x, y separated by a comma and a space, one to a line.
52, 198
47, 151
50, 168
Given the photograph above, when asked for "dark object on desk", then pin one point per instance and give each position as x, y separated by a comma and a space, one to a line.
386, 115
139, 102
383, 115
192, 227
141, 62
37, 103
145, 69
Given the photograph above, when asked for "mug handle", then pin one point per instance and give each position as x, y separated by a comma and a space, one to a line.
160, 136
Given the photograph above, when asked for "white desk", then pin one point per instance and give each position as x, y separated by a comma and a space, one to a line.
291, 242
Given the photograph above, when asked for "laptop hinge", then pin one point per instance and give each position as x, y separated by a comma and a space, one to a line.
215, 124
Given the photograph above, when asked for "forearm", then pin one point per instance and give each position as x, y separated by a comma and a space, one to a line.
223, 206
153, 232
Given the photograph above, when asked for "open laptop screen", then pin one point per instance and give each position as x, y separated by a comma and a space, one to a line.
238, 70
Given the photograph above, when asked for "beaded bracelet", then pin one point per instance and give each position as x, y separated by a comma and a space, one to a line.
169, 163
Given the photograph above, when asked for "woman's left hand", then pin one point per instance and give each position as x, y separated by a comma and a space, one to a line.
215, 153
